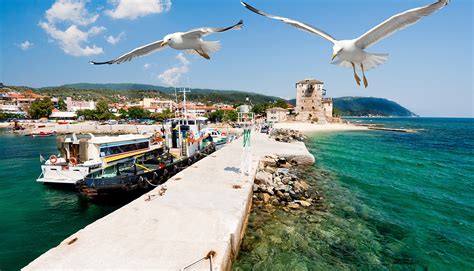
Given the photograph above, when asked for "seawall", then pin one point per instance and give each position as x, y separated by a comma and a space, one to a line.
205, 208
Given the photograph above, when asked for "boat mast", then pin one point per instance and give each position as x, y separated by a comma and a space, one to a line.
184, 91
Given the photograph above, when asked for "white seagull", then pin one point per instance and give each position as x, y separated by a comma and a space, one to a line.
190, 41
351, 53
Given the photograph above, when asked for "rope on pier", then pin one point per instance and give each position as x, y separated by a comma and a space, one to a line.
209, 256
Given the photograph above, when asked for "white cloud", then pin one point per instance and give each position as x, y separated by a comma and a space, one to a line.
72, 40
73, 11
146, 66
132, 9
25, 45
173, 75
114, 40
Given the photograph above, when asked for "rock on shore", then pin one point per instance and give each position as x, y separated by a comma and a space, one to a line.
287, 135
276, 184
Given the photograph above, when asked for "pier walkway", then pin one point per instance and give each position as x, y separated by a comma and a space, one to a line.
205, 208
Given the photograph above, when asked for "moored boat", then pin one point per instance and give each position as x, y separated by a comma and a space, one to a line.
80, 155
186, 142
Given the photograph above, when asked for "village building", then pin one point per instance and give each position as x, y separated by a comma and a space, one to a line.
155, 105
73, 106
18, 103
199, 109
276, 114
310, 102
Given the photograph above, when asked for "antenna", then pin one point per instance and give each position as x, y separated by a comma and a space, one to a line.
184, 91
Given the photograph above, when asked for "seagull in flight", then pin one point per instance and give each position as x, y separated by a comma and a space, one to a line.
190, 41
351, 53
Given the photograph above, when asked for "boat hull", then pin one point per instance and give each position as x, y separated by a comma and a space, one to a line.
98, 187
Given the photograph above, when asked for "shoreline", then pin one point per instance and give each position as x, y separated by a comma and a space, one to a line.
315, 127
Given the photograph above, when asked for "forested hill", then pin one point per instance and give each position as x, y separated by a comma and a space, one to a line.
139, 90
368, 106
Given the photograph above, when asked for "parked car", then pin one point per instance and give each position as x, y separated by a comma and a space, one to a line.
264, 129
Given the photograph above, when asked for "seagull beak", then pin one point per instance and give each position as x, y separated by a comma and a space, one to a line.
163, 44
333, 56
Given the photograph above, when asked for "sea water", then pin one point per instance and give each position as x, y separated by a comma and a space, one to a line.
391, 201
36, 217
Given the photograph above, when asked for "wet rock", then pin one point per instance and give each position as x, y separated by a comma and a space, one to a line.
265, 197
301, 186
293, 205
303, 203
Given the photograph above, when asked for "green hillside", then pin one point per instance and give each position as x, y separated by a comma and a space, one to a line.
367, 106
138, 91
343, 106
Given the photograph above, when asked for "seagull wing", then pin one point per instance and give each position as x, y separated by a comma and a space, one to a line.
397, 22
299, 25
140, 51
204, 31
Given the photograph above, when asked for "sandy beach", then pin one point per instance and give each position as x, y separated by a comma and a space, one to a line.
314, 127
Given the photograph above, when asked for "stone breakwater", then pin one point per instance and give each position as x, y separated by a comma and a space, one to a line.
287, 135
276, 183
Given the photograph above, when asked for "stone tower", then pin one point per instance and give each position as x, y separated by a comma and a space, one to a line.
310, 105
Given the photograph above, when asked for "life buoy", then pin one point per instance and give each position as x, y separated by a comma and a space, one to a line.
73, 160
53, 159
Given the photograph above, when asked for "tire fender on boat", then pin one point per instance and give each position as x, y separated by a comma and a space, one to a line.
142, 182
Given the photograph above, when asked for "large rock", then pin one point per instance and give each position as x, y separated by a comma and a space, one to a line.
266, 197
263, 177
303, 203
268, 162
300, 186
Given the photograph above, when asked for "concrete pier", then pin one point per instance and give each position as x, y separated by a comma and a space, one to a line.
205, 208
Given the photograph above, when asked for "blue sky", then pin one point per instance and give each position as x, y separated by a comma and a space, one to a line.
46, 43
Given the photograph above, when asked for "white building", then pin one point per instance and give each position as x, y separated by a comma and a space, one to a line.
276, 114
156, 105
73, 106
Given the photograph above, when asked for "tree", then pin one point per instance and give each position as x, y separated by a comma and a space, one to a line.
281, 103
216, 116
231, 115
62, 105
164, 115
87, 114
259, 108
102, 111
123, 113
136, 112
40, 108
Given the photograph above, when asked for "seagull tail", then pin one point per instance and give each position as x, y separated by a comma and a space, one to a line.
370, 62
211, 46
374, 60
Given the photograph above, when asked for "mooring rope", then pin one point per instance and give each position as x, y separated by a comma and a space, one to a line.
210, 255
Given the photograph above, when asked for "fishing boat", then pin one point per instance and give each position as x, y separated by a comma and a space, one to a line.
186, 142
218, 137
80, 155
42, 134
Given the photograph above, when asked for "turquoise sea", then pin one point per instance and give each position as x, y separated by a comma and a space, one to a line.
391, 201
36, 217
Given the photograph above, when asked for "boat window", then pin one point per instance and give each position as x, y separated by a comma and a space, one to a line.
108, 151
